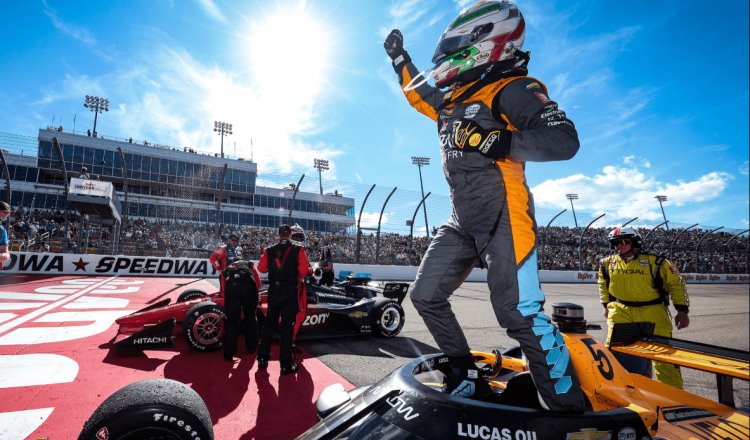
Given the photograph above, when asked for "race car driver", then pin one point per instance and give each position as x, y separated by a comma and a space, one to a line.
241, 287
286, 264
223, 256
491, 119
636, 286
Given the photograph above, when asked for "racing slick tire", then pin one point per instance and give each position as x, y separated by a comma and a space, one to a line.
191, 294
387, 319
151, 408
204, 326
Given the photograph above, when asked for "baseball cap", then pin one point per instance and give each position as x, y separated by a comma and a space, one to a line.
4, 207
285, 229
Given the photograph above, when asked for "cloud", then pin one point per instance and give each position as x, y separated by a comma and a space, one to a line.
625, 191
744, 168
78, 33
212, 10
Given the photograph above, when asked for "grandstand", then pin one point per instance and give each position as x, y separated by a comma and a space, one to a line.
176, 198
168, 183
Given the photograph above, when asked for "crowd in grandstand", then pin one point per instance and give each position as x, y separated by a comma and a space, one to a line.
560, 248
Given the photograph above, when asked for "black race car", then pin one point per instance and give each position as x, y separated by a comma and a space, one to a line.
354, 306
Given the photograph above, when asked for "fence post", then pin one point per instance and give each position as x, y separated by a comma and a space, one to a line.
580, 240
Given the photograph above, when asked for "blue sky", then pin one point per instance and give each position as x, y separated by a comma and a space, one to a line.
658, 91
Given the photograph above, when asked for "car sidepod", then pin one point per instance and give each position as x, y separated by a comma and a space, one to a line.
400, 406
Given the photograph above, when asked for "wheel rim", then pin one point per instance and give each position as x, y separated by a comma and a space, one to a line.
390, 319
208, 328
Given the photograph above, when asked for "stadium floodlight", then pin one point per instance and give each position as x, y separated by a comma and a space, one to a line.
661, 199
320, 165
572, 197
96, 105
419, 161
222, 129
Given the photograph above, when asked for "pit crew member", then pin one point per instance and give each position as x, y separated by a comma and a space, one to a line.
636, 286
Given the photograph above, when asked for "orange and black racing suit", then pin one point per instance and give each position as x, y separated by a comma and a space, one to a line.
492, 222
638, 290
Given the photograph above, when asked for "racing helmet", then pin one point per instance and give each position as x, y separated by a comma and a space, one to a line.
627, 232
298, 235
486, 33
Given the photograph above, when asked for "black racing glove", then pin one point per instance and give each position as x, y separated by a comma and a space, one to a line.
394, 47
468, 135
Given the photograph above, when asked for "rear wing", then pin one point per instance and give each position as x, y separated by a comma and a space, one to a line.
395, 291
637, 339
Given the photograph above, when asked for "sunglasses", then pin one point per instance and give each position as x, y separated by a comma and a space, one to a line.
625, 241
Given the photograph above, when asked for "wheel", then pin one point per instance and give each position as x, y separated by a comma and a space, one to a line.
191, 294
387, 319
204, 326
151, 408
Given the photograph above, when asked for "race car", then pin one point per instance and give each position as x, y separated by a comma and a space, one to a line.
411, 402
353, 307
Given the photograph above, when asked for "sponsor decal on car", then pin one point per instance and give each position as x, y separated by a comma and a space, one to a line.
316, 319
401, 407
626, 433
680, 414
484, 432
358, 314
151, 340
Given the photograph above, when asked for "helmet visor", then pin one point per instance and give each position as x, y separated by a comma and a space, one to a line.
450, 45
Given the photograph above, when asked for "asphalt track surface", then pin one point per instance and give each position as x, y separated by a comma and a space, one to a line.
718, 316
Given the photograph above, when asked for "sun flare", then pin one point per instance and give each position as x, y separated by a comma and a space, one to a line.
289, 52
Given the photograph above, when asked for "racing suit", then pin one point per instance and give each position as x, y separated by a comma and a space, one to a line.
627, 289
492, 222
241, 300
221, 258
286, 265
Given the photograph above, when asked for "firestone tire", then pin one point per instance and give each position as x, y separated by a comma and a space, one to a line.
191, 294
387, 319
151, 408
204, 326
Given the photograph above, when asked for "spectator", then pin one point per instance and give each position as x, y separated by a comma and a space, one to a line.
4, 254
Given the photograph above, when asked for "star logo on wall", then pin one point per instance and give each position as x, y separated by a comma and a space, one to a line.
80, 265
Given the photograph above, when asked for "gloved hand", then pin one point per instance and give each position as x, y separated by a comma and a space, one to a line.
468, 135
394, 47
681, 320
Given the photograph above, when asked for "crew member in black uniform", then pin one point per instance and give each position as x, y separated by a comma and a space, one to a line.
286, 265
241, 286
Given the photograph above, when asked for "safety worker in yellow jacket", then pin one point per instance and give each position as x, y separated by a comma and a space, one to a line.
635, 286
491, 119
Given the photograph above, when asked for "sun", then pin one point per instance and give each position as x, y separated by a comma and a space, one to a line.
289, 52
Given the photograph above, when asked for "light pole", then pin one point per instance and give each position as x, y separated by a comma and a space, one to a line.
662, 199
572, 197
419, 161
222, 128
320, 165
96, 105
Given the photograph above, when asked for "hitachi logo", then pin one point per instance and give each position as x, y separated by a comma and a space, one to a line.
152, 340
